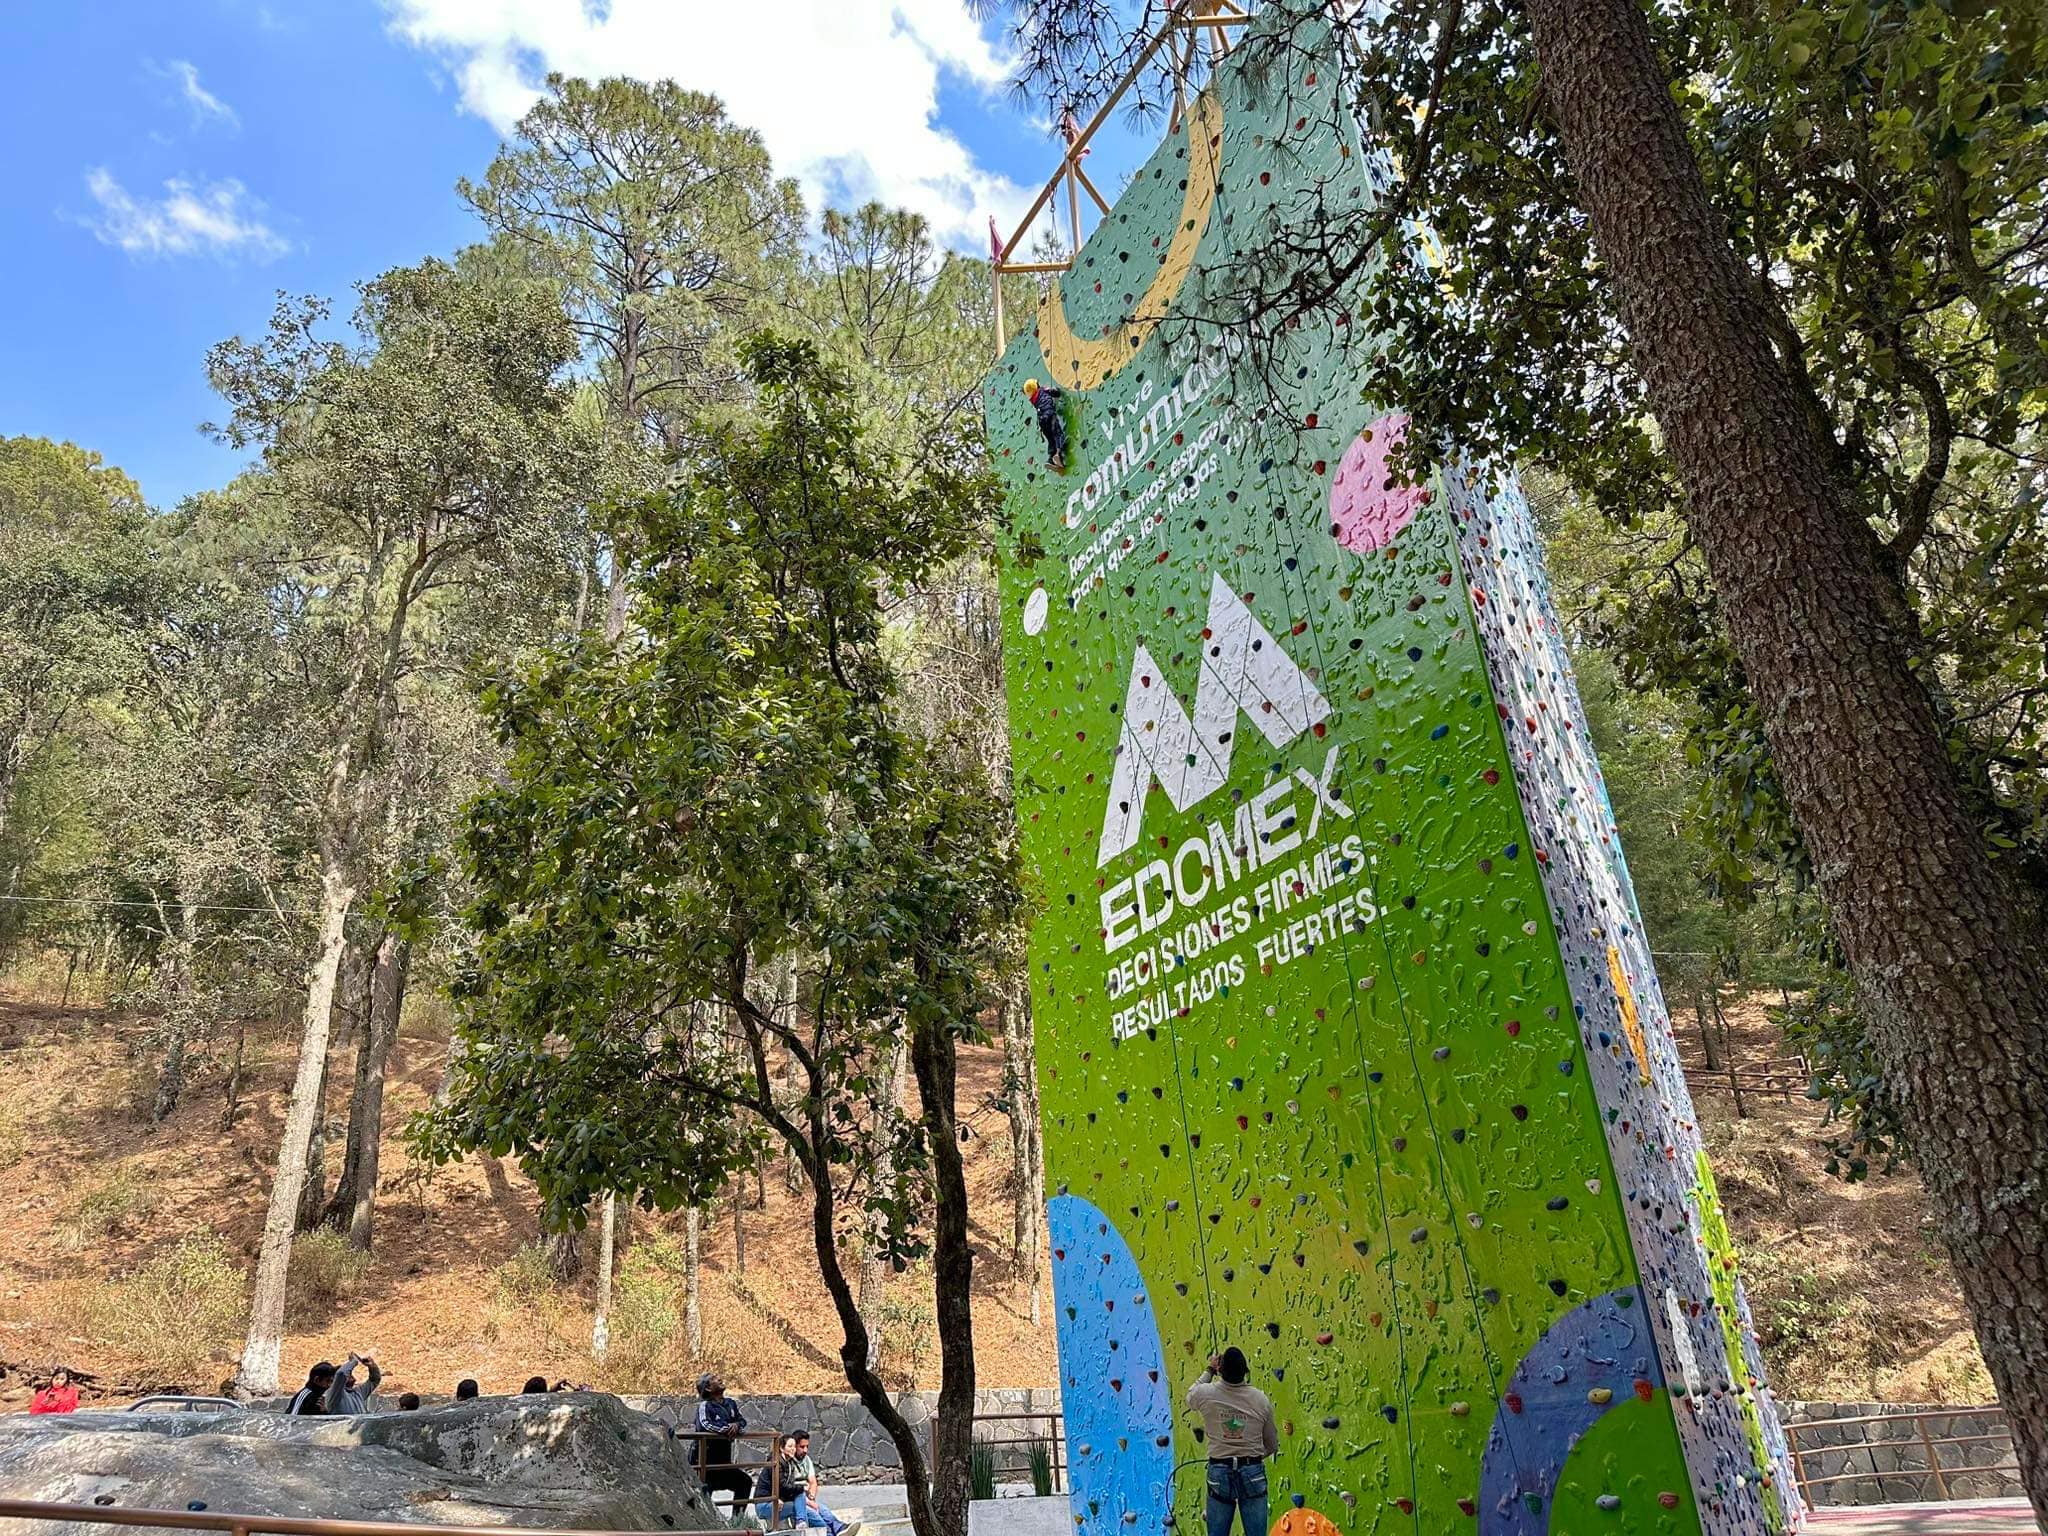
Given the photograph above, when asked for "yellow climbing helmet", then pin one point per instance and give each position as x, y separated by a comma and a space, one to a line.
1031, 387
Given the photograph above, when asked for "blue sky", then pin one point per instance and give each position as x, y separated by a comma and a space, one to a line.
170, 166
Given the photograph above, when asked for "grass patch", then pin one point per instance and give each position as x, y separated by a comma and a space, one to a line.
1813, 1329
113, 1207
13, 1138
981, 1470
177, 1314
645, 1319
527, 1278
325, 1272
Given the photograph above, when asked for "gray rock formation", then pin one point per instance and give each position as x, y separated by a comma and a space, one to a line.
578, 1461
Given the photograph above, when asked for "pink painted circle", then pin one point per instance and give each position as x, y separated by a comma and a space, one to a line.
1365, 510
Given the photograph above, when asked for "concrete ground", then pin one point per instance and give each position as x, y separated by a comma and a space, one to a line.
1018, 1514
1014, 1512
1972, 1517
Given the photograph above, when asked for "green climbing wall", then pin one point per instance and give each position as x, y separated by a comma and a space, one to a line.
1351, 1052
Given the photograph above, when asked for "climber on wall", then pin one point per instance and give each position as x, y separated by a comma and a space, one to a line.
1239, 1432
1045, 399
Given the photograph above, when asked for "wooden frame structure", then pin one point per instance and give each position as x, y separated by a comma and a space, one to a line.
1187, 23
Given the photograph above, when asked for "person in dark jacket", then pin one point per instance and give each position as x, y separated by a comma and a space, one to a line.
718, 1425
1052, 425
312, 1397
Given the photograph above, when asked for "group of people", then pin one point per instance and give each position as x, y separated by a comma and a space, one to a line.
1238, 1431
332, 1389
785, 1491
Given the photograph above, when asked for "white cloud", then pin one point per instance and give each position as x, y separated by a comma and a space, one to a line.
844, 92
204, 104
211, 218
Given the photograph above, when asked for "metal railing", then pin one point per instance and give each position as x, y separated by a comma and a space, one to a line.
1928, 1442
186, 1402
772, 1462
1012, 1447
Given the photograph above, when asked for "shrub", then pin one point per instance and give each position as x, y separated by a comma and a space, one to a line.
177, 1312
527, 1278
981, 1471
1041, 1468
643, 1326
124, 1198
325, 1271
908, 1329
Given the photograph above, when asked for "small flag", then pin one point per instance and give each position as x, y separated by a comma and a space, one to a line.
995, 240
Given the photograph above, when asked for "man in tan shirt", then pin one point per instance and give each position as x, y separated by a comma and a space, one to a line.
1239, 1433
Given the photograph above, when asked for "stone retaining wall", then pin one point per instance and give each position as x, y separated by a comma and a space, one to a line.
1887, 1462
846, 1442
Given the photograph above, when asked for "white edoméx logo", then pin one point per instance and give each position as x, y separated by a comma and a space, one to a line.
1243, 669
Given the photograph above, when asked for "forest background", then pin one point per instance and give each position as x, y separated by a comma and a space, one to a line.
243, 742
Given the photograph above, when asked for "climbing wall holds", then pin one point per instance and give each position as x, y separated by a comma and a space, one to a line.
1113, 1377
1367, 507
1347, 1028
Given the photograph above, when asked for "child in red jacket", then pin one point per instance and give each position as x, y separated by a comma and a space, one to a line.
60, 1396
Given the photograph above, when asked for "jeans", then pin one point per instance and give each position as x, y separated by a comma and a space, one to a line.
803, 1512
1237, 1491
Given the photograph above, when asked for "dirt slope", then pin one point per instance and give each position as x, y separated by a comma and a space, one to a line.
1852, 1294
432, 1307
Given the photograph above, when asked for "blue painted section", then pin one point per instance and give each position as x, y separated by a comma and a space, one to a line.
1113, 1386
1600, 1348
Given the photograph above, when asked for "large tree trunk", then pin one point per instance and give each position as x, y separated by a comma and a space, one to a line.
874, 1280
807, 1133
312, 1190
353, 1207
179, 1003
1943, 952
1027, 1145
934, 1057
349, 1014
601, 1314
693, 1280
257, 1374
565, 1253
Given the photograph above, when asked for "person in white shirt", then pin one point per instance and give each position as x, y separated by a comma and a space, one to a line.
1239, 1431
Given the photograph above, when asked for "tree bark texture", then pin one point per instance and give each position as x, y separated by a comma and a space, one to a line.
312, 1189
601, 1315
935, 1059
1027, 1144
693, 1280
874, 1280
354, 1204
257, 1374
1944, 953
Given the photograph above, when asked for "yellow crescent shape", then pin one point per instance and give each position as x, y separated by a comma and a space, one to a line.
1083, 365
